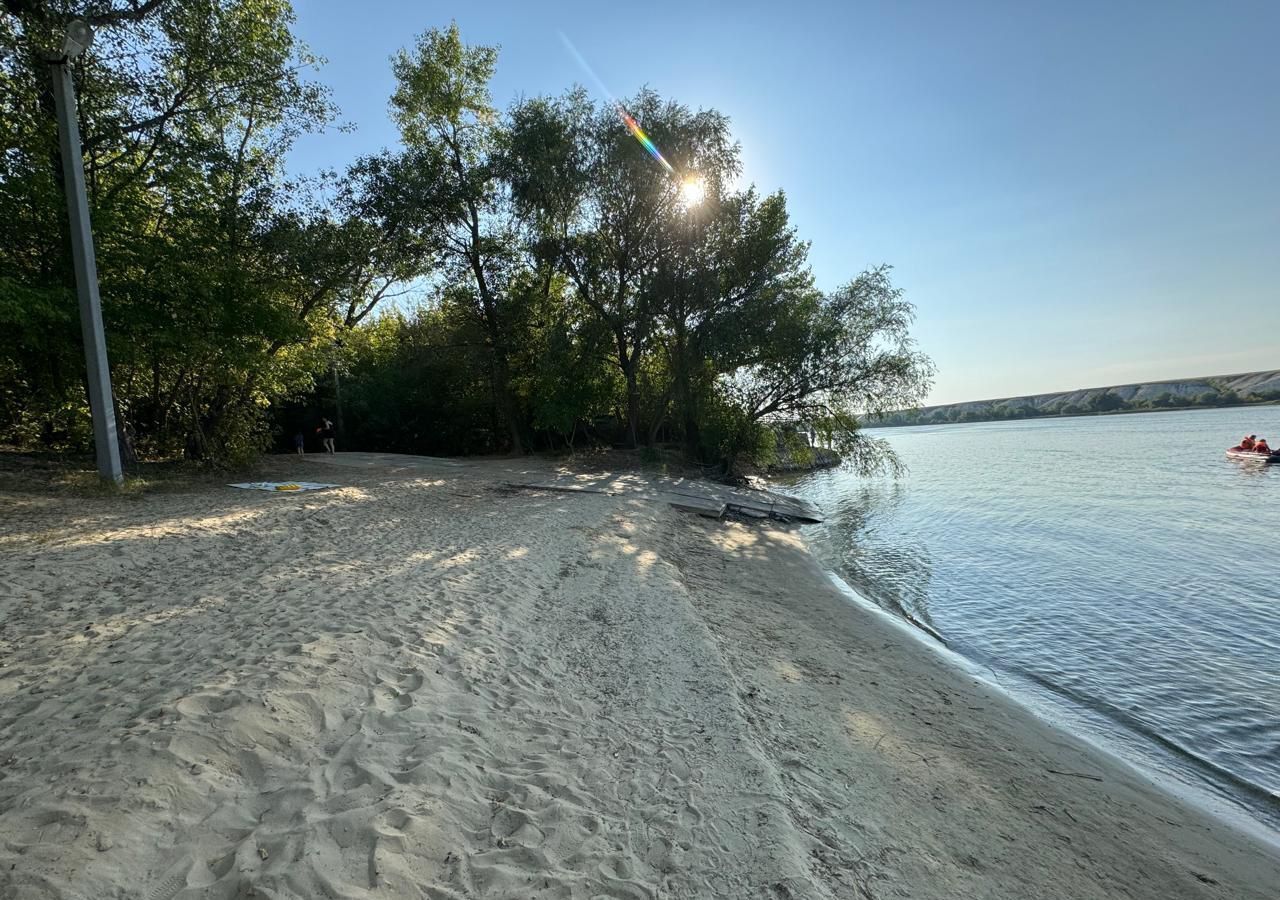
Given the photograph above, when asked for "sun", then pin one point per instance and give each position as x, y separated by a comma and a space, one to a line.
692, 190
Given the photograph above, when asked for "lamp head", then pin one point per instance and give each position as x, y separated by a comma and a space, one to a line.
79, 37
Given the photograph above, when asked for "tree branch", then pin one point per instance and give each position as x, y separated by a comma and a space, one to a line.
135, 13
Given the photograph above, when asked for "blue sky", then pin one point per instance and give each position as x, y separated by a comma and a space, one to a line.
1072, 194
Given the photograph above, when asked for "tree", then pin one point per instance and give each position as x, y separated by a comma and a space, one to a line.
1107, 401
836, 359
608, 212
570, 381
453, 172
187, 108
577, 284
730, 273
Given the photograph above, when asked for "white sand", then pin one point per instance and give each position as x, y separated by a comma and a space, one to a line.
431, 686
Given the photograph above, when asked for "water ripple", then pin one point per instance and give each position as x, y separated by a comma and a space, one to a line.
1121, 563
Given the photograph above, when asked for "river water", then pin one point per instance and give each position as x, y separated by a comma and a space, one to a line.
1116, 572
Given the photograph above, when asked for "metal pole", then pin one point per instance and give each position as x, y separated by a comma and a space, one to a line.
105, 443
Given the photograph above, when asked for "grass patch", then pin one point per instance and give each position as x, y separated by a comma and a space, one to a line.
77, 476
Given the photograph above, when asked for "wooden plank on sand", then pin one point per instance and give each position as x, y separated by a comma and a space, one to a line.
712, 509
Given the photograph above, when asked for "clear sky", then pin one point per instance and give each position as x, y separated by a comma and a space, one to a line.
1072, 194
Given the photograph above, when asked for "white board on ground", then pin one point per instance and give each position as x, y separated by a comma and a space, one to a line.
283, 486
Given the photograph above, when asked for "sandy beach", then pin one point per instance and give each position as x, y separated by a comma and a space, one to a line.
428, 684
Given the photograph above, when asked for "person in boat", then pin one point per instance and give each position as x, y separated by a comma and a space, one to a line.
1246, 443
1261, 446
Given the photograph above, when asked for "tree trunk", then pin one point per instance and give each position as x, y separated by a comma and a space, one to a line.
692, 428
501, 373
506, 406
633, 403
338, 425
124, 435
659, 420
684, 393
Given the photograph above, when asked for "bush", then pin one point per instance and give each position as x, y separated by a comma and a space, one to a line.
729, 437
1106, 402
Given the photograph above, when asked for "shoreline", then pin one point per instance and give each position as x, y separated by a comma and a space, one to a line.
1059, 713
424, 684
1076, 769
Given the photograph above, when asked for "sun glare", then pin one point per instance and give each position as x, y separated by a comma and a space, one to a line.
692, 190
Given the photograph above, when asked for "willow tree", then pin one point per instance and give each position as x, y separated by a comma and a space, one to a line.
836, 360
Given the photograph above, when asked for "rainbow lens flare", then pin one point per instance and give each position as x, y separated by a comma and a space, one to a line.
634, 127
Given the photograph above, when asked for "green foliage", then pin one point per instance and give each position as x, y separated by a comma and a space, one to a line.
830, 360
794, 446
566, 289
570, 382
451, 174
443, 88
1108, 401
730, 435
603, 213
222, 282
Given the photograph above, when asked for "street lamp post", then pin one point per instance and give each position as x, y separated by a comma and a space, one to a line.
106, 447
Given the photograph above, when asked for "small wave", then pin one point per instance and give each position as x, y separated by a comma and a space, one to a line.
890, 601
1269, 800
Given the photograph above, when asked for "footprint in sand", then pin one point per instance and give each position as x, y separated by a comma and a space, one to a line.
514, 826
662, 855
199, 706
410, 679
615, 869
395, 820
173, 881
389, 700
417, 774
590, 825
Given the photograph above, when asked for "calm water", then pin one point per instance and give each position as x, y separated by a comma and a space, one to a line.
1118, 571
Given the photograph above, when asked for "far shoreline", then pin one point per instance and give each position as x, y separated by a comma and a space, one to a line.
1079, 415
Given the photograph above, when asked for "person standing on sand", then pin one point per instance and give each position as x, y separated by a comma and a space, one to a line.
299, 443
327, 435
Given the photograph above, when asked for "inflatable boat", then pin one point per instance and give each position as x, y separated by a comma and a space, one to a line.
1254, 455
